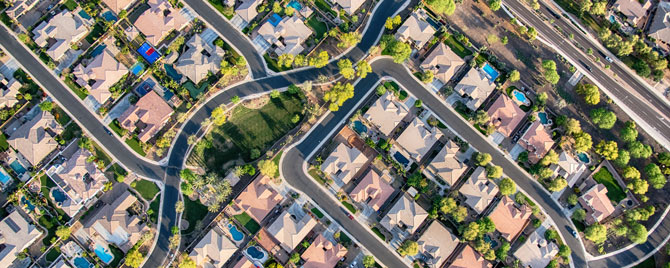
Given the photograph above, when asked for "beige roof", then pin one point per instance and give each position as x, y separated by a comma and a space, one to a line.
291, 229
372, 190
445, 164
469, 258
323, 253
63, 29
343, 163
442, 62
159, 20
536, 252
568, 168
416, 29
258, 199
32, 139
537, 141
477, 86
478, 190
79, 179
199, 59
510, 219
596, 203
437, 243
16, 234
151, 110
385, 113
8, 96
244, 262
213, 250
350, 6
288, 35
632, 9
505, 115
113, 223
247, 10
418, 138
20, 7
99, 75
659, 28
60, 264
404, 212
118, 5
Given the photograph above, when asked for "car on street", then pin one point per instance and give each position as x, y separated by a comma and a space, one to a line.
609, 59
573, 232
108, 131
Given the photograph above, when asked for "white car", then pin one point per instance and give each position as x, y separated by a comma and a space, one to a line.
609, 59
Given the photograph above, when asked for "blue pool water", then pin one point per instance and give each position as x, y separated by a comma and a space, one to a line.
543, 118
81, 262
172, 73
4, 177
584, 158
149, 53
493, 74
27, 203
520, 97
612, 20
104, 254
58, 195
167, 94
255, 253
137, 68
98, 50
17, 167
487, 239
274, 19
143, 89
237, 235
84, 15
109, 16
401, 159
359, 127
295, 5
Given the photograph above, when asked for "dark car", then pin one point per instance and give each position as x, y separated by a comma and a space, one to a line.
573, 232
585, 65
108, 132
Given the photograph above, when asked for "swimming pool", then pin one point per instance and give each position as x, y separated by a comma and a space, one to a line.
84, 15
359, 127
103, 253
584, 158
137, 68
109, 16
4, 177
401, 159
520, 97
149, 53
255, 253
274, 19
544, 119
17, 167
98, 50
58, 195
295, 5
488, 239
236, 234
492, 73
27, 204
172, 73
612, 19
81, 262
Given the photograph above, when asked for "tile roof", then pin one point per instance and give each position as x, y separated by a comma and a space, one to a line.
258, 199
288, 35
536, 252
213, 250
478, 190
64, 29
32, 139
247, 10
99, 75
632, 9
442, 62
437, 243
505, 115
596, 203
445, 164
510, 219
323, 253
20, 7
418, 138
477, 86
291, 229
118, 5
350, 6
199, 59
659, 28
417, 29
8, 95
568, 168
537, 141
405, 212
159, 20
244, 262
373, 190
343, 163
79, 179
113, 223
385, 113
469, 258
151, 110
16, 234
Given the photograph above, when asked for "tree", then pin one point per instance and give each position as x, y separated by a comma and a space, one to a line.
363, 68
276, 7
493, 171
583, 142
557, 184
603, 118
289, 11
320, 60
596, 233
572, 126
507, 186
501, 252
349, 39
550, 234
637, 233
482, 117
369, 261
295, 119
446, 7
589, 92
623, 158
532, 35
585, 5
381, 90
218, 116
599, 8
638, 186
550, 158
187, 262
392, 22
572, 199
639, 150
486, 225
482, 159
495, 4
514, 75
471, 231
630, 172
338, 95
552, 264
545, 173
295, 258
629, 132
607, 149
274, 94
550, 73
579, 215
46, 106
654, 176
267, 168
664, 158
63, 232
346, 69
408, 248
134, 258
400, 51
179, 207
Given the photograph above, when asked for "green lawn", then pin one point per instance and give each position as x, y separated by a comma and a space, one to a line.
272, 63
378, 233
134, 143
321, 4
80, 92
614, 191
457, 47
648, 263
320, 28
100, 154
118, 256
71, 131
317, 212
53, 254
579, 225
315, 174
193, 212
61, 116
194, 90
221, 8
276, 160
117, 170
3, 142
155, 207
97, 31
70, 5
147, 189
349, 207
114, 125
250, 224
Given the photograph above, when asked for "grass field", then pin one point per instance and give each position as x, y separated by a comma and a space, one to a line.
117, 170
155, 207
349, 207
147, 189
76, 88
3, 142
97, 31
70, 132
316, 176
250, 224
100, 154
193, 212
317, 212
614, 191
457, 47
378, 233
272, 63
70, 5
135, 144
114, 125
276, 160
320, 28
321, 4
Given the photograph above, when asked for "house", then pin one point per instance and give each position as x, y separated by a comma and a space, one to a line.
509, 219
416, 30
247, 10
469, 258
285, 34
385, 114
323, 253
446, 166
372, 190
149, 114
596, 203
418, 138
99, 75
258, 199
291, 227
78, 179
475, 86
536, 252
213, 250
244, 262
35, 138
443, 62
343, 164
568, 168
9, 88
113, 224
20, 7
59, 33
659, 28
537, 141
634, 10
349, 6
16, 234
159, 20
199, 59
505, 115
118, 5
405, 215
478, 190
436, 244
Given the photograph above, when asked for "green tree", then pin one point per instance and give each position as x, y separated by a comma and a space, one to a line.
295, 258
607, 149
579, 215
63, 232
392, 22
603, 118
267, 168
274, 94
572, 126
186, 262
486, 225
218, 116
629, 132
381, 90
664, 158
493, 171
514, 75
501, 252
408, 248
46, 106
446, 7
346, 69
638, 186
654, 176
599, 8
596, 233
572, 199
320, 60
585, 5
549, 67
482, 159
471, 231
557, 184
550, 158
369, 261
638, 149
338, 95
482, 117
400, 51
532, 35
507, 186
134, 258
630, 172
545, 173
495, 4
349, 39
637, 233
551, 234
623, 158
589, 92
363, 68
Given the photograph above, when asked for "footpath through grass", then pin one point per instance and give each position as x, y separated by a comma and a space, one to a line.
614, 191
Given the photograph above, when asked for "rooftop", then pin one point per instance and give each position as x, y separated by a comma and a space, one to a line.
510, 219
16, 234
568, 168
288, 35
405, 214
291, 228
385, 113
213, 250
469, 258
58, 33
632, 9
659, 28
199, 59
477, 86
258, 199
596, 203
372, 190
247, 10
159, 20
445, 164
151, 110
505, 115
536, 252
34, 138
343, 163
442, 62
99, 75
437, 243
8, 95
79, 179
418, 138
350, 6
417, 29
323, 253
537, 141
118, 5
478, 190
114, 224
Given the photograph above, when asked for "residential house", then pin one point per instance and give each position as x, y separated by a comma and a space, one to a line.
509, 219
258, 199
149, 114
537, 141
469, 258
416, 30
634, 10
372, 190
16, 234
286, 35
246, 12
60, 264
568, 168
35, 138
59, 33
596, 203
79, 179
118, 5
244, 262
478, 190
443, 62
349, 6
159, 20
9, 88
343, 164
113, 224
476, 87
385, 114
323, 253
659, 28
505, 116
436, 244
418, 138
99, 75
536, 252
446, 165
405, 215
213, 250
291, 227
19, 7
199, 59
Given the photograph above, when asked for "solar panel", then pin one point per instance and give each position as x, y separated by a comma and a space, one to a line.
12, 225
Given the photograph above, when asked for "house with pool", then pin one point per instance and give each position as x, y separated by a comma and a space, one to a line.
416, 140
200, 58
291, 227
446, 165
385, 114
323, 253
475, 87
78, 182
568, 167
257, 200
159, 20
34, 140
505, 115
478, 190
536, 140
16, 234
436, 244
343, 164
442, 62
98, 75
57, 34
284, 35
213, 250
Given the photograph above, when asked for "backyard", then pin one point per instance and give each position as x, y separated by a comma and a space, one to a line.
134, 143
250, 224
614, 191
